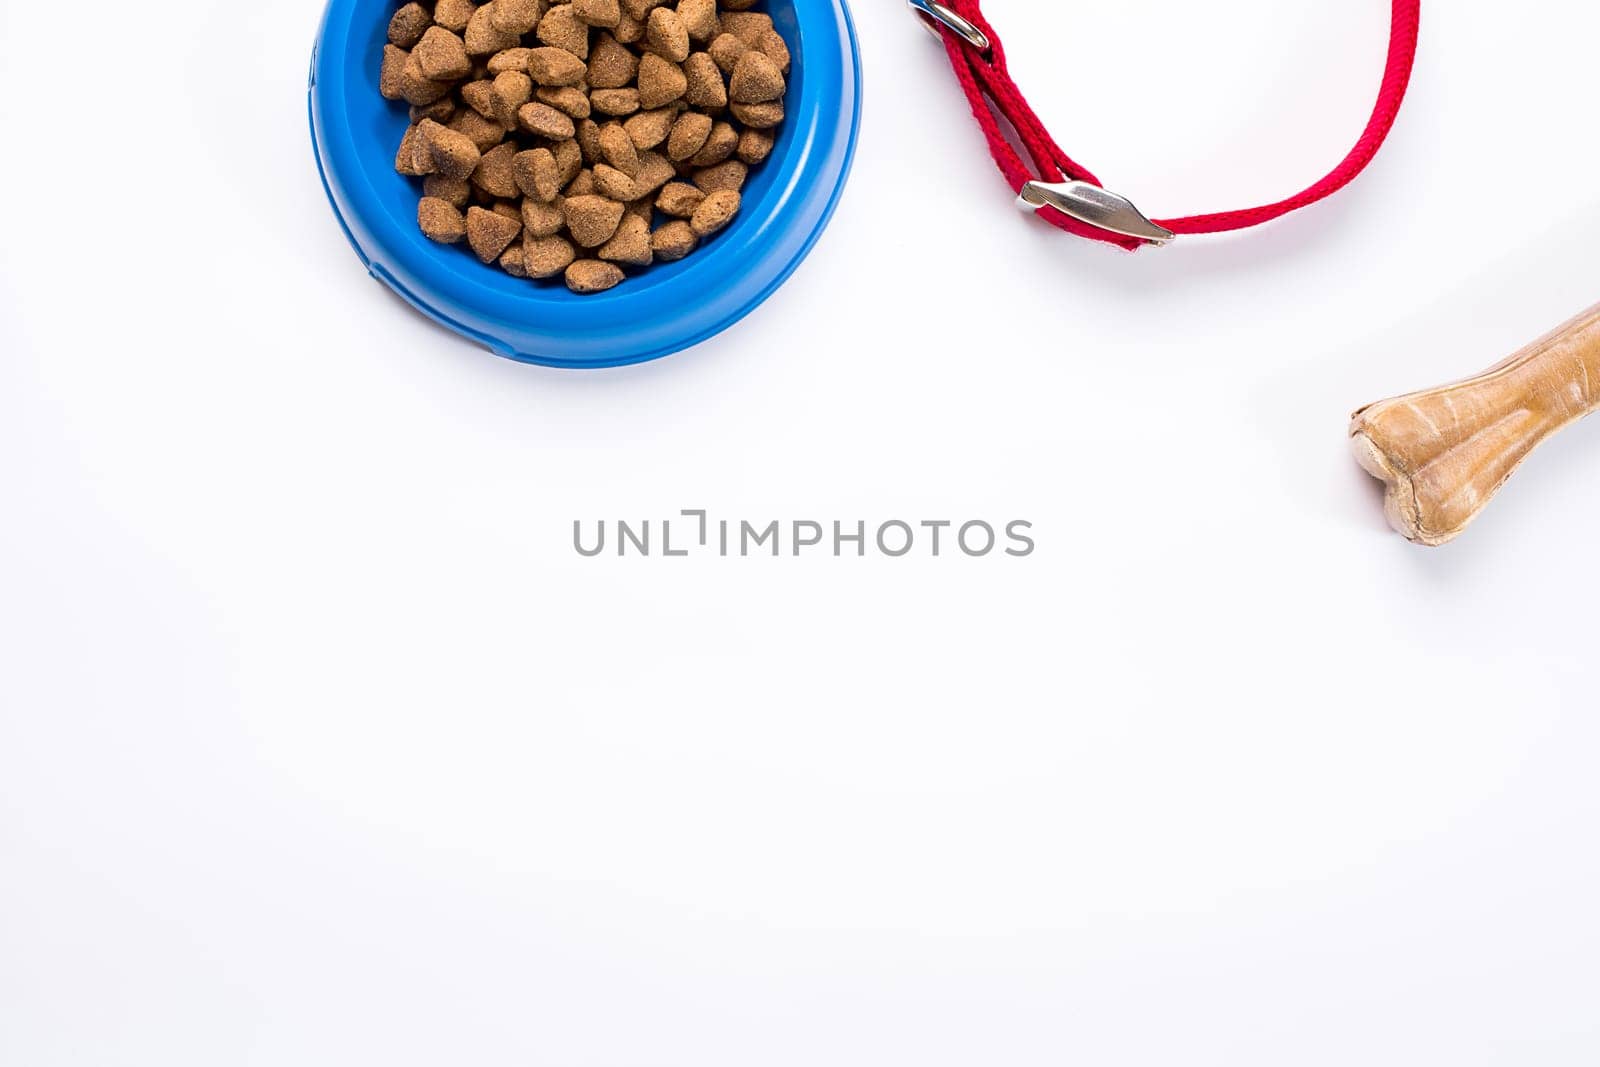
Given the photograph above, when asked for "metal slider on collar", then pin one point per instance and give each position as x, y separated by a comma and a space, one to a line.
1100, 208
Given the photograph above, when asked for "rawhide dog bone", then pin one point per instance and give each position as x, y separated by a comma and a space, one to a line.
1444, 453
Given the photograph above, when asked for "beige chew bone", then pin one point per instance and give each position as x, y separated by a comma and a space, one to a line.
1444, 453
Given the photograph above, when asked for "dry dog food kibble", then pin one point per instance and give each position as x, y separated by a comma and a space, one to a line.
575, 139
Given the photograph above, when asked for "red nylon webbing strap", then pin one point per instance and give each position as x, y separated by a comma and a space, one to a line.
989, 88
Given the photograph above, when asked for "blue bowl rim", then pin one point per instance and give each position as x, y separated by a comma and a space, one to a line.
375, 265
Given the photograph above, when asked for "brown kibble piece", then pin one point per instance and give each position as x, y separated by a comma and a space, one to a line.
479, 96
568, 99
536, 174
454, 15
496, 174
603, 13
422, 155
416, 87
456, 191
615, 102
699, 18
748, 26
631, 243
509, 59
439, 111
542, 220
756, 80
392, 75
705, 88
516, 16
589, 142
511, 89
593, 276
629, 30
715, 212
485, 133
454, 155
640, 9
562, 28
729, 175
545, 257
408, 25
679, 199
569, 158
660, 82
556, 66
484, 38
618, 149
726, 50
413, 159
513, 262
546, 121
612, 184
719, 146
441, 220
666, 36
442, 55
581, 185
655, 170
754, 146
611, 65
673, 241
592, 219
649, 128
490, 233
759, 116
774, 47
689, 135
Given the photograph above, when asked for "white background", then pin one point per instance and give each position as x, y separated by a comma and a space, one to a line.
319, 745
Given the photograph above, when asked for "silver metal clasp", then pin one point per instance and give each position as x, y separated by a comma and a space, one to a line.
935, 14
1095, 206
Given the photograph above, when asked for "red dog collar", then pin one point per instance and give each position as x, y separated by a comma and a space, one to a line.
1071, 198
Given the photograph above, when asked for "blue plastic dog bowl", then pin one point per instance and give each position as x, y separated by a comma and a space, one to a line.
663, 309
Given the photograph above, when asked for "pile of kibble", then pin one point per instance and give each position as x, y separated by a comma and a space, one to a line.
581, 137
